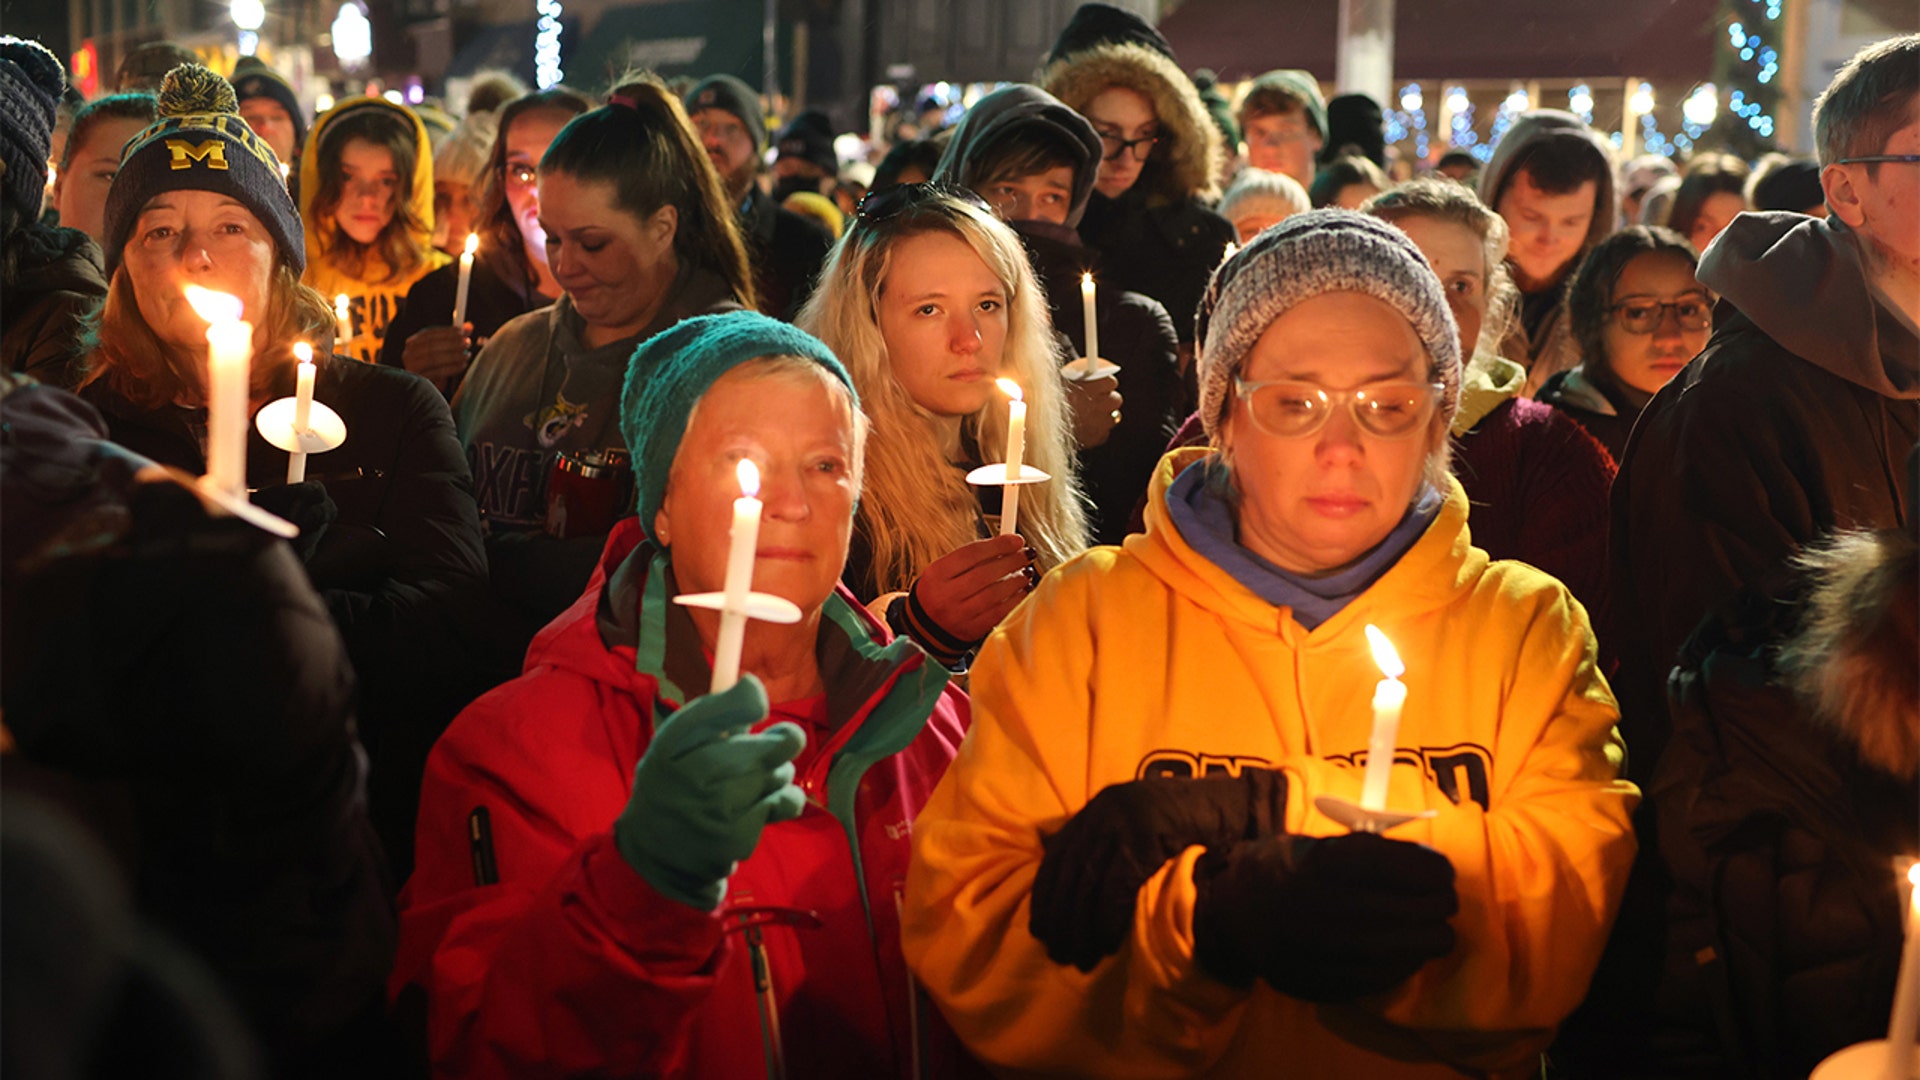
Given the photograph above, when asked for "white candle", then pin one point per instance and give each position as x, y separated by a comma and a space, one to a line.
1905, 1023
742, 540
1093, 320
1016, 449
302, 408
285, 172
466, 278
229, 363
342, 322
1389, 695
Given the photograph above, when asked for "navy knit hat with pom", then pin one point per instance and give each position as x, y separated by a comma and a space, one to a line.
201, 144
31, 80
671, 370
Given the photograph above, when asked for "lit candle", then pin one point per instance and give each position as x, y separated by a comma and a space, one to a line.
1016, 449
229, 360
1093, 320
742, 540
302, 408
466, 278
1905, 1023
285, 172
1389, 694
342, 322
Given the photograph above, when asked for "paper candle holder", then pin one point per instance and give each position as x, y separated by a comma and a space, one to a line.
1358, 819
996, 476
325, 429
763, 606
1087, 370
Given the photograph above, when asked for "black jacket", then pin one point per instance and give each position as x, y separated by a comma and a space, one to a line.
401, 568
786, 251
178, 667
1166, 251
496, 293
53, 279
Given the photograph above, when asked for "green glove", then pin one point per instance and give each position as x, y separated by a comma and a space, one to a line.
703, 791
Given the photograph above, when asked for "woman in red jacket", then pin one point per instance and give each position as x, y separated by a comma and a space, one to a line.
619, 875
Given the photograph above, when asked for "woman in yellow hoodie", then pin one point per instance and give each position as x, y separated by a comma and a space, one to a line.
1131, 869
366, 185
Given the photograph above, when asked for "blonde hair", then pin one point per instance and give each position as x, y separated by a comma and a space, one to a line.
915, 507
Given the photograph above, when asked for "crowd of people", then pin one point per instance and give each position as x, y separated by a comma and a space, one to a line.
438, 759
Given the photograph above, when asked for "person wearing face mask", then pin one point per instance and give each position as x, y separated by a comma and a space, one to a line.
510, 272
366, 190
1639, 315
390, 535
1034, 160
1149, 215
639, 235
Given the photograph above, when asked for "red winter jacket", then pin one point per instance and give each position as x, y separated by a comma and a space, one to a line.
572, 964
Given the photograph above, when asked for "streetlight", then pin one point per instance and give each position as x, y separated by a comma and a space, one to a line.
352, 36
249, 16
1641, 103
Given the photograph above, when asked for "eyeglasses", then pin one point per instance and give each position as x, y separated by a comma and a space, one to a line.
1645, 316
1114, 146
1878, 158
1295, 410
882, 203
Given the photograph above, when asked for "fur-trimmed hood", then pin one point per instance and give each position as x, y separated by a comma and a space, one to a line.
1188, 159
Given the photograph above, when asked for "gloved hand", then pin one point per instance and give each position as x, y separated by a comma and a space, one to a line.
1083, 895
307, 505
704, 790
1322, 920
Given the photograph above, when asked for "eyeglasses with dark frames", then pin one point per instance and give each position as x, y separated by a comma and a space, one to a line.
1140, 148
1645, 316
1876, 159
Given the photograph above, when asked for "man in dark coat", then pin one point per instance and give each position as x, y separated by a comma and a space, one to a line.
786, 249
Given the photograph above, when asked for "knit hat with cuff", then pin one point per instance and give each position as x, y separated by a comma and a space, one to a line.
1321, 251
729, 94
31, 80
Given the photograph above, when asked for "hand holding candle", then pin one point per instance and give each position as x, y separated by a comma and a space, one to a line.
1389, 695
466, 279
229, 367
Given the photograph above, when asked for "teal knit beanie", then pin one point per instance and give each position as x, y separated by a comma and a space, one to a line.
672, 370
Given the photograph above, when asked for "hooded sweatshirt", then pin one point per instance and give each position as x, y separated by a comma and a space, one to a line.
1543, 343
374, 295
1150, 660
53, 280
1793, 423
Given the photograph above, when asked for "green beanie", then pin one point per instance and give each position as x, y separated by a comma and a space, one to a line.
1300, 85
672, 370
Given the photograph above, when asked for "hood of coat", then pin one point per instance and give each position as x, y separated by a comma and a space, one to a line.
1441, 565
43, 259
1188, 161
1803, 282
1489, 379
1528, 129
419, 196
1011, 110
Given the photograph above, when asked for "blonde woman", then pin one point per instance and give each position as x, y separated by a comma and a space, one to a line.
928, 299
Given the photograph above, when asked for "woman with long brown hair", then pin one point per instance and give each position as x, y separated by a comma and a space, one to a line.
389, 532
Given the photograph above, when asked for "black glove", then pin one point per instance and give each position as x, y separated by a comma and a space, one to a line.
1083, 895
1322, 919
307, 505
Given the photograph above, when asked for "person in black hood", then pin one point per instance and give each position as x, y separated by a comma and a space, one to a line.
785, 248
1033, 159
1150, 215
804, 159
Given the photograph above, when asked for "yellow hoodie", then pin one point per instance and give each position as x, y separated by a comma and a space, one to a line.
1149, 660
374, 298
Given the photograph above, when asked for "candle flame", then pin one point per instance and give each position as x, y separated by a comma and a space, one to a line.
1009, 388
473, 243
215, 307
1086, 280
749, 478
303, 352
1384, 654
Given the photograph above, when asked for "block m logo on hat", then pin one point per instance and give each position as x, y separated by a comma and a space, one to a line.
213, 153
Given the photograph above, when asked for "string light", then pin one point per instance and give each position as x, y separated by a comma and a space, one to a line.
1750, 39
546, 45
1580, 102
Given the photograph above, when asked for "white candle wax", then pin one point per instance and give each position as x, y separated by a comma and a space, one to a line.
1093, 320
1389, 696
466, 278
1016, 449
302, 408
742, 541
342, 322
229, 364
1905, 1022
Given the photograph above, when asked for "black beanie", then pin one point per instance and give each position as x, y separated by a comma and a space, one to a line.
728, 94
252, 78
1794, 185
1355, 120
31, 81
1104, 24
809, 137
201, 144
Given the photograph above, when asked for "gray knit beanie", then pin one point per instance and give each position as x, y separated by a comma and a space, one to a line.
1321, 251
31, 80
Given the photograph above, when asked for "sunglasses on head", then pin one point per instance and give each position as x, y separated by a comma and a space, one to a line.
878, 205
